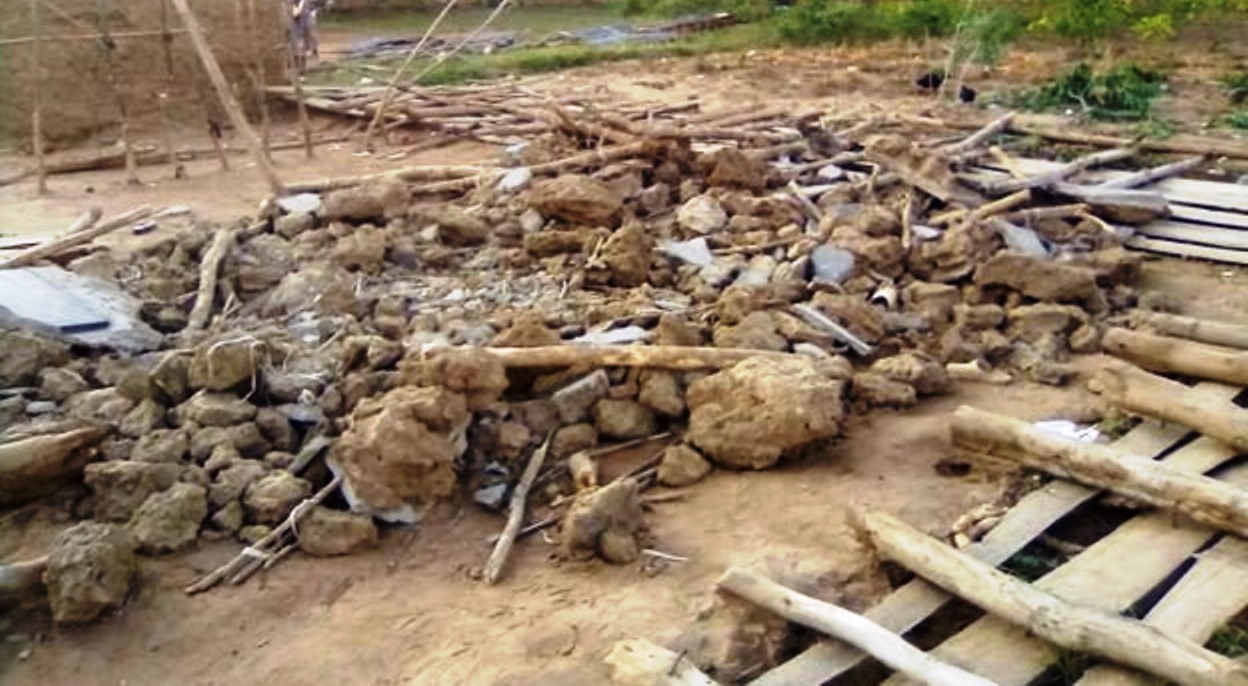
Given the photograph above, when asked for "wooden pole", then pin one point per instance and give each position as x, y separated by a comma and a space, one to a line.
209, 269
388, 96
36, 94
1139, 392
1202, 499
116, 86
1201, 330
222, 87
261, 85
1177, 356
296, 81
1074, 627
654, 356
33, 466
55, 247
851, 627
515, 515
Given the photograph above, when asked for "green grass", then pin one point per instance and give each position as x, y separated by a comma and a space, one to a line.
530, 21
1238, 120
539, 60
1124, 93
1231, 641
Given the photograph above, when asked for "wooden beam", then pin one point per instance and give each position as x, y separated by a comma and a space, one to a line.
232, 108
74, 239
1178, 356
1074, 627
1226, 334
1139, 392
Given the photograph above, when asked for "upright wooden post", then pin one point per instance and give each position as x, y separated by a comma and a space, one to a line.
231, 106
117, 86
296, 79
261, 80
36, 90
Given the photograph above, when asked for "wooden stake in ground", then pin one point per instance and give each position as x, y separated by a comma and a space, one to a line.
1202, 499
116, 85
209, 268
261, 82
36, 94
515, 515
1202, 330
1177, 356
231, 106
1077, 628
388, 96
59, 245
296, 80
851, 627
1139, 392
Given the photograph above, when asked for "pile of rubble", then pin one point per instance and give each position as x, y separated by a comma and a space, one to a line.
416, 348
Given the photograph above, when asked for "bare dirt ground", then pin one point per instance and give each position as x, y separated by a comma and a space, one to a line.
409, 612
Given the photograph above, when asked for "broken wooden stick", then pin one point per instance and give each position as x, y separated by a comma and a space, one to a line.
1202, 499
851, 627
1145, 177
1201, 330
638, 662
20, 581
57, 246
977, 371
1178, 356
414, 173
32, 466
1074, 627
209, 268
254, 556
981, 136
1140, 392
1048, 178
653, 356
515, 515
232, 108
821, 321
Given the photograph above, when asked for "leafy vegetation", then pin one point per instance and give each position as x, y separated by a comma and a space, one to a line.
1238, 120
1230, 640
1123, 93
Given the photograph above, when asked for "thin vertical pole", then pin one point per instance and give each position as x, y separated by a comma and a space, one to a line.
296, 79
36, 89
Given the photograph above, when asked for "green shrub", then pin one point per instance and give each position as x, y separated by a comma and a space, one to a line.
1124, 93
745, 10
1238, 120
824, 21
923, 18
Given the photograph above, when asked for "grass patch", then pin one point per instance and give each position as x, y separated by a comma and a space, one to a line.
1032, 562
1124, 93
531, 21
1236, 86
1238, 120
539, 60
1231, 641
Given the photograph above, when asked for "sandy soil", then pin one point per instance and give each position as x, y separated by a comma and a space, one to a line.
410, 612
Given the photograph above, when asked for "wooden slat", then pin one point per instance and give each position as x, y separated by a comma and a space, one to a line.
1200, 215
1202, 252
1189, 233
906, 607
1112, 574
1211, 594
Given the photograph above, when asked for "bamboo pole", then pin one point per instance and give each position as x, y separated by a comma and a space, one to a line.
388, 95
222, 87
1139, 392
1201, 330
1178, 356
515, 515
36, 90
851, 627
1074, 627
209, 269
1202, 499
261, 85
296, 81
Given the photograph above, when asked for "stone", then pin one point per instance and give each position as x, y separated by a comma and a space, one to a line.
262, 262
1043, 279
577, 199
702, 214
927, 376
661, 392
575, 400
458, 228
90, 570
682, 466
623, 419
626, 257
364, 249
118, 488
104, 405
161, 446
1086, 340
276, 429
377, 200
399, 450
492, 497
540, 415
216, 409
12, 411
225, 365
527, 331
475, 373
245, 438
756, 331
675, 329
171, 378
146, 417
937, 300
325, 532
289, 386
279, 460
231, 482
58, 384
169, 521
316, 286
223, 457
604, 521
654, 199
831, 264
38, 408
1030, 323
979, 317
854, 313
732, 168
270, 499
876, 390
752, 414
549, 243
229, 518
26, 355
573, 439
291, 225
254, 533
